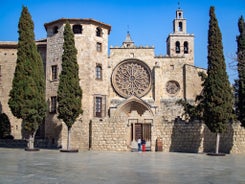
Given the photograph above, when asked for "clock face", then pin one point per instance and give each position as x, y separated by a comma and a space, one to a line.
132, 77
172, 87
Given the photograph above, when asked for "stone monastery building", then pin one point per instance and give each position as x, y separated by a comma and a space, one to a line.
129, 94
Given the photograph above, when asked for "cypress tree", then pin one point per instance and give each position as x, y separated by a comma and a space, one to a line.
217, 92
69, 91
27, 96
241, 70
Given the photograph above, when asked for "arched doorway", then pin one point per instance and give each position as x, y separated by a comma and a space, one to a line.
132, 80
139, 121
140, 129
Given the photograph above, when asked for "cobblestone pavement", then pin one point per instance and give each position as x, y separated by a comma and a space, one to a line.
53, 167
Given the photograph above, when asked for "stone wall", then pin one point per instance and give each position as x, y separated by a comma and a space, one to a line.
9, 143
192, 81
180, 136
238, 139
176, 136
8, 56
20, 143
112, 135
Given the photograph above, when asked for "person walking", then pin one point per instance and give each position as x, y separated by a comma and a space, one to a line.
139, 144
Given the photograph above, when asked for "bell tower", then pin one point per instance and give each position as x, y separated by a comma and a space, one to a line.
180, 43
179, 23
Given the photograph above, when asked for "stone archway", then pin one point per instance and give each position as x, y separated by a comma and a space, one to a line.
138, 119
132, 80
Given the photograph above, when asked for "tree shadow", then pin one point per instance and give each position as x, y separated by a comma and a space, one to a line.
5, 127
1, 108
226, 140
53, 131
40, 134
186, 136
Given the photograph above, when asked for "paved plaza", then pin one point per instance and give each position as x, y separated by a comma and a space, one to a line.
52, 167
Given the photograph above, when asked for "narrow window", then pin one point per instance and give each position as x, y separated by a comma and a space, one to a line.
98, 107
55, 30
172, 67
77, 29
180, 15
168, 49
53, 104
98, 71
186, 48
54, 72
180, 26
98, 32
177, 47
99, 47
0, 75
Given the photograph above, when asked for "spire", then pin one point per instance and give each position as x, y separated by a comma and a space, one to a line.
128, 38
179, 5
128, 41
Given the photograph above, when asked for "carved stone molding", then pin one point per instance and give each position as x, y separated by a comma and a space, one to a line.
172, 87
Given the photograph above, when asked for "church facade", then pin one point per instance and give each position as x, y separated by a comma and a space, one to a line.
128, 94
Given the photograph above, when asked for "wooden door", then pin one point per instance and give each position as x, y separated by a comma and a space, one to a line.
138, 131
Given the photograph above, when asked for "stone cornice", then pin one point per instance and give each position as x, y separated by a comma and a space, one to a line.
13, 44
82, 21
8, 44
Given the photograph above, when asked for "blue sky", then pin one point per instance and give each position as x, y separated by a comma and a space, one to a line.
149, 21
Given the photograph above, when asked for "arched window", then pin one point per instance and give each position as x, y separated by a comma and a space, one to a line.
177, 47
99, 46
180, 15
54, 70
53, 104
98, 32
180, 26
55, 30
77, 29
186, 48
98, 72
168, 48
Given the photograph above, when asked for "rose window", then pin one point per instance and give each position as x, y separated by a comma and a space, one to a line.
172, 87
131, 77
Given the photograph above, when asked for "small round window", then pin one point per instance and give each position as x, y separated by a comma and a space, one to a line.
172, 87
